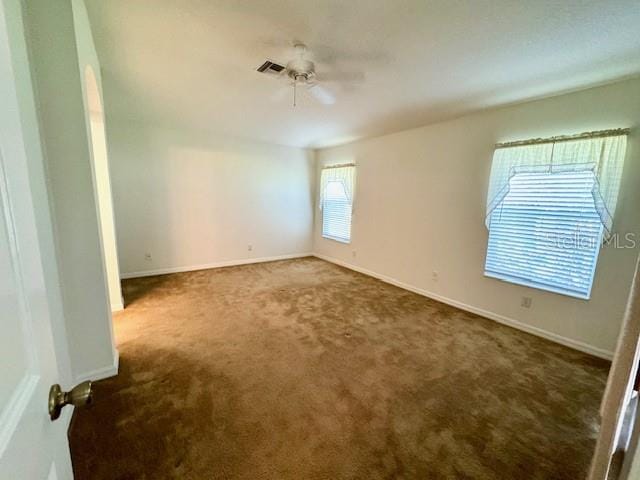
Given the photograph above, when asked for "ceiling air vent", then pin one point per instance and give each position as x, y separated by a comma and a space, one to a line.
270, 67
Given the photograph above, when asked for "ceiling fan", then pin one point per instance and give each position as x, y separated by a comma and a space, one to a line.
301, 74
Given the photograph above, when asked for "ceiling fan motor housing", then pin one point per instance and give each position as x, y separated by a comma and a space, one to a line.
301, 69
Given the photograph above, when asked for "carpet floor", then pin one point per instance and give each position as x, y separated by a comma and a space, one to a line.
301, 369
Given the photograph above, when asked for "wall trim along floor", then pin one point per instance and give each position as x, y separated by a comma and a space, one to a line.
554, 337
116, 307
101, 373
206, 266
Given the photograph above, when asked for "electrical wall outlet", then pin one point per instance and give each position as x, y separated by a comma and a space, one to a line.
525, 302
147, 257
353, 253
435, 276
249, 248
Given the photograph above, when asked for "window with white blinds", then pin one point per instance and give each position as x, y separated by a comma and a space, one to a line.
546, 233
336, 212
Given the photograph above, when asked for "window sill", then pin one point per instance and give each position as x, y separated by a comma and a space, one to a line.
537, 286
336, 239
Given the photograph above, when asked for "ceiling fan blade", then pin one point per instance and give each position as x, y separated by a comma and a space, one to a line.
331, 55
341, 76
321, 94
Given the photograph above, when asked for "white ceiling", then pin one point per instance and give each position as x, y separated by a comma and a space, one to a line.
191, 63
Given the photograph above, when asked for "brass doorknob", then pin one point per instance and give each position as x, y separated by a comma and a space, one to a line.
79, 396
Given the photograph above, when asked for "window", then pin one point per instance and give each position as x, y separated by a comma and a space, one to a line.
550, 205
336, 212
336, 201
546, 233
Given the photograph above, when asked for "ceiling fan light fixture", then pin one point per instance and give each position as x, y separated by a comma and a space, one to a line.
301, 71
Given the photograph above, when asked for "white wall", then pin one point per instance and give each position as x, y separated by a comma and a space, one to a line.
192, 199
420, 206
55, 45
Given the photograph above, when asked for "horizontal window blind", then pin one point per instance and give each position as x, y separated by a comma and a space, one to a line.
546, 233
336, 212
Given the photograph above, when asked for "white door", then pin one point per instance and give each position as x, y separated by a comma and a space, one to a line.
31, 445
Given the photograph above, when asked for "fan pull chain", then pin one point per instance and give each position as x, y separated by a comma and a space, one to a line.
295, 83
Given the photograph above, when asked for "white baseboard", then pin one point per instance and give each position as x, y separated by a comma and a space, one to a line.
101, 373
206, 266
554, 337
116, 307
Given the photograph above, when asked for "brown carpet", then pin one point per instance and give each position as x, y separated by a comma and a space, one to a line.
303, 370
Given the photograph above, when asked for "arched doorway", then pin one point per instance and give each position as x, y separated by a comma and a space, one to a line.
102, 188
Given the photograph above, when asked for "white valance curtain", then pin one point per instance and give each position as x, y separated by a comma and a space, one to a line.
345, 174
604, 155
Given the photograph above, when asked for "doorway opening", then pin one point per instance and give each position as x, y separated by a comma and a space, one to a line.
102, 188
